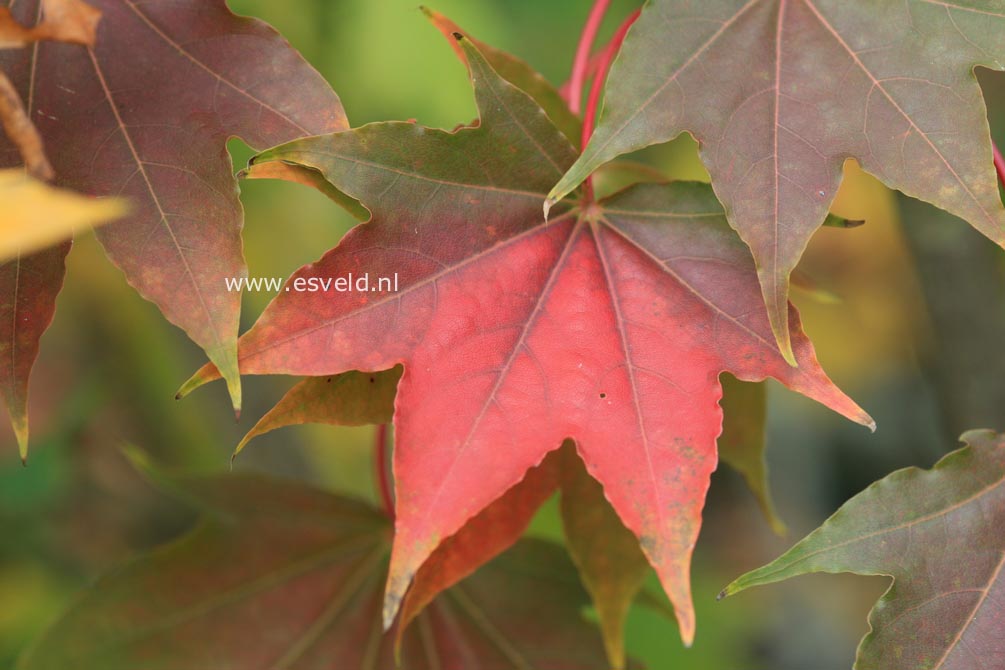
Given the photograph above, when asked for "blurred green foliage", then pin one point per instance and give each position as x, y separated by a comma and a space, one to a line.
110, 365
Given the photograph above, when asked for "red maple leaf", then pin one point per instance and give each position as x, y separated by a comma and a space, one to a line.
608, 324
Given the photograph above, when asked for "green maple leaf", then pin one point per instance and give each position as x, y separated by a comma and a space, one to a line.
940, 534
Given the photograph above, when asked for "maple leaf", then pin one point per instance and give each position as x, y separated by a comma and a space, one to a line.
939, 534
779, 93
303, 571
609, 326
146, 114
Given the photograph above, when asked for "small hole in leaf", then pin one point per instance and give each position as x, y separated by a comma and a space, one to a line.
603, 395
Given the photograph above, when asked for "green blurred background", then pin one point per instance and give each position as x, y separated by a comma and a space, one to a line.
906, 318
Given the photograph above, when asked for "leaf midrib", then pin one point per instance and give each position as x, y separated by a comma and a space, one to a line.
973, 614
218, 342
884, 531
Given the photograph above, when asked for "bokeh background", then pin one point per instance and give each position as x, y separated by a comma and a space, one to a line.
907, 313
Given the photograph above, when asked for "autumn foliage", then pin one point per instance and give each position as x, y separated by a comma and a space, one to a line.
546, 334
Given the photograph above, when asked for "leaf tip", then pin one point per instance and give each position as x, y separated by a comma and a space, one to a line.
778, 526
392, 604
240, 447
186, 388
731, 589
234, 390
977, 435
786, 350
202, 377
861, 417
388, 619
834, 221
21, 432
397, 585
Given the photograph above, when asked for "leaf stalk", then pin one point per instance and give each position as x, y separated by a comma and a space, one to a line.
607, 57
581, 62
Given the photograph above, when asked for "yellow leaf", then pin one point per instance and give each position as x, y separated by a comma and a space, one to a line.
34, 215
